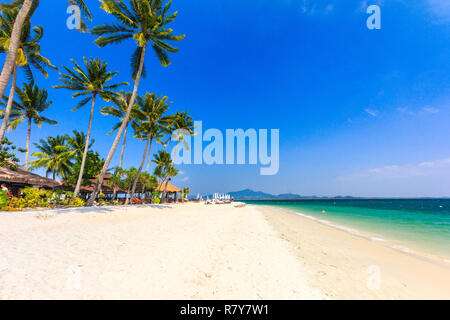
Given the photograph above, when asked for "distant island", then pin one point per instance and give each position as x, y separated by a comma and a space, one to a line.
249, 194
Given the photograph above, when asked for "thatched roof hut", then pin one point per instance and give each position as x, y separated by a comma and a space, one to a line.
23, 177
170, 188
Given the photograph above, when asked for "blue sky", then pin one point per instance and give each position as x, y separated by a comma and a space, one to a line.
361, 112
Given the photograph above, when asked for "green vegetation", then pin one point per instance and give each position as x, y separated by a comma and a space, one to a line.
71, 158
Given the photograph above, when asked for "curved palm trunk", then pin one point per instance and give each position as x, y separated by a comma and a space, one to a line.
93, 196
133, 190
123, 146
165, 191
28, 144
149, 155
121, 160
127, 200
9, 105
86, 148
14, 43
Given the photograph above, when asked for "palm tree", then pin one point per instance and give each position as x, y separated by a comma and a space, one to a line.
78, 142
181, 125
147, 182
158, 135
54, 155
120, 111
164, 169
146, 23
32, 103
91, 83
28, 54
149, 119
116, 181
26, 11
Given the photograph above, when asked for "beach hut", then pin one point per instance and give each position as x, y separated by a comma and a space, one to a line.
171, 191
15, 180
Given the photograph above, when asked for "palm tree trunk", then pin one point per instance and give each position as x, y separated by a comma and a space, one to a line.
123, 146
86, 148
121, 159
140, 170
128, 197
14, 43
28, 144
93, 196
165, 191
149, 155
9, 105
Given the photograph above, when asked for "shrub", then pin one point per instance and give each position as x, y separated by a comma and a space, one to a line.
3, 198
76, 202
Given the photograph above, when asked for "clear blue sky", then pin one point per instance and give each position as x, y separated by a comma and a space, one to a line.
360, 112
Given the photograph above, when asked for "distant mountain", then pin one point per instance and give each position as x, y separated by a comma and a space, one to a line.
289, 196
248, 194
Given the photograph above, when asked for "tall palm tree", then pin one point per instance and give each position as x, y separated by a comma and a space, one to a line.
31, 104
119, 110
181, 125
145, 22
54, 155
28, 54
164, 170
89, 84
149, 119
27, 8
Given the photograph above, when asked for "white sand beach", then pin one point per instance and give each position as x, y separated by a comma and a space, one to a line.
195, 251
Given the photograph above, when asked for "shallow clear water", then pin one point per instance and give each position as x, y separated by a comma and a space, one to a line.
423, 223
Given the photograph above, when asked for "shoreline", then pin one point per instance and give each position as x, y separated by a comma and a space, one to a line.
339, 256
400, 246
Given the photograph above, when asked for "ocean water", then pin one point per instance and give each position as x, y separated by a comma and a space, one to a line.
421, 224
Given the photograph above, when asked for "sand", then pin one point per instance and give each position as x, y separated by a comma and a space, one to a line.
196, 251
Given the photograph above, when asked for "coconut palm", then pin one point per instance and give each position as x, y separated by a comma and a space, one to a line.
89, 84
119, 110
28, 54
54, 155
147, 183
146, 22
78, 143
27, 8
158, 134
164, 170
31, 103
149, 119
181, 126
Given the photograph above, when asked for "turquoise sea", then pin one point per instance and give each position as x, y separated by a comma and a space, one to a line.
423, 224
